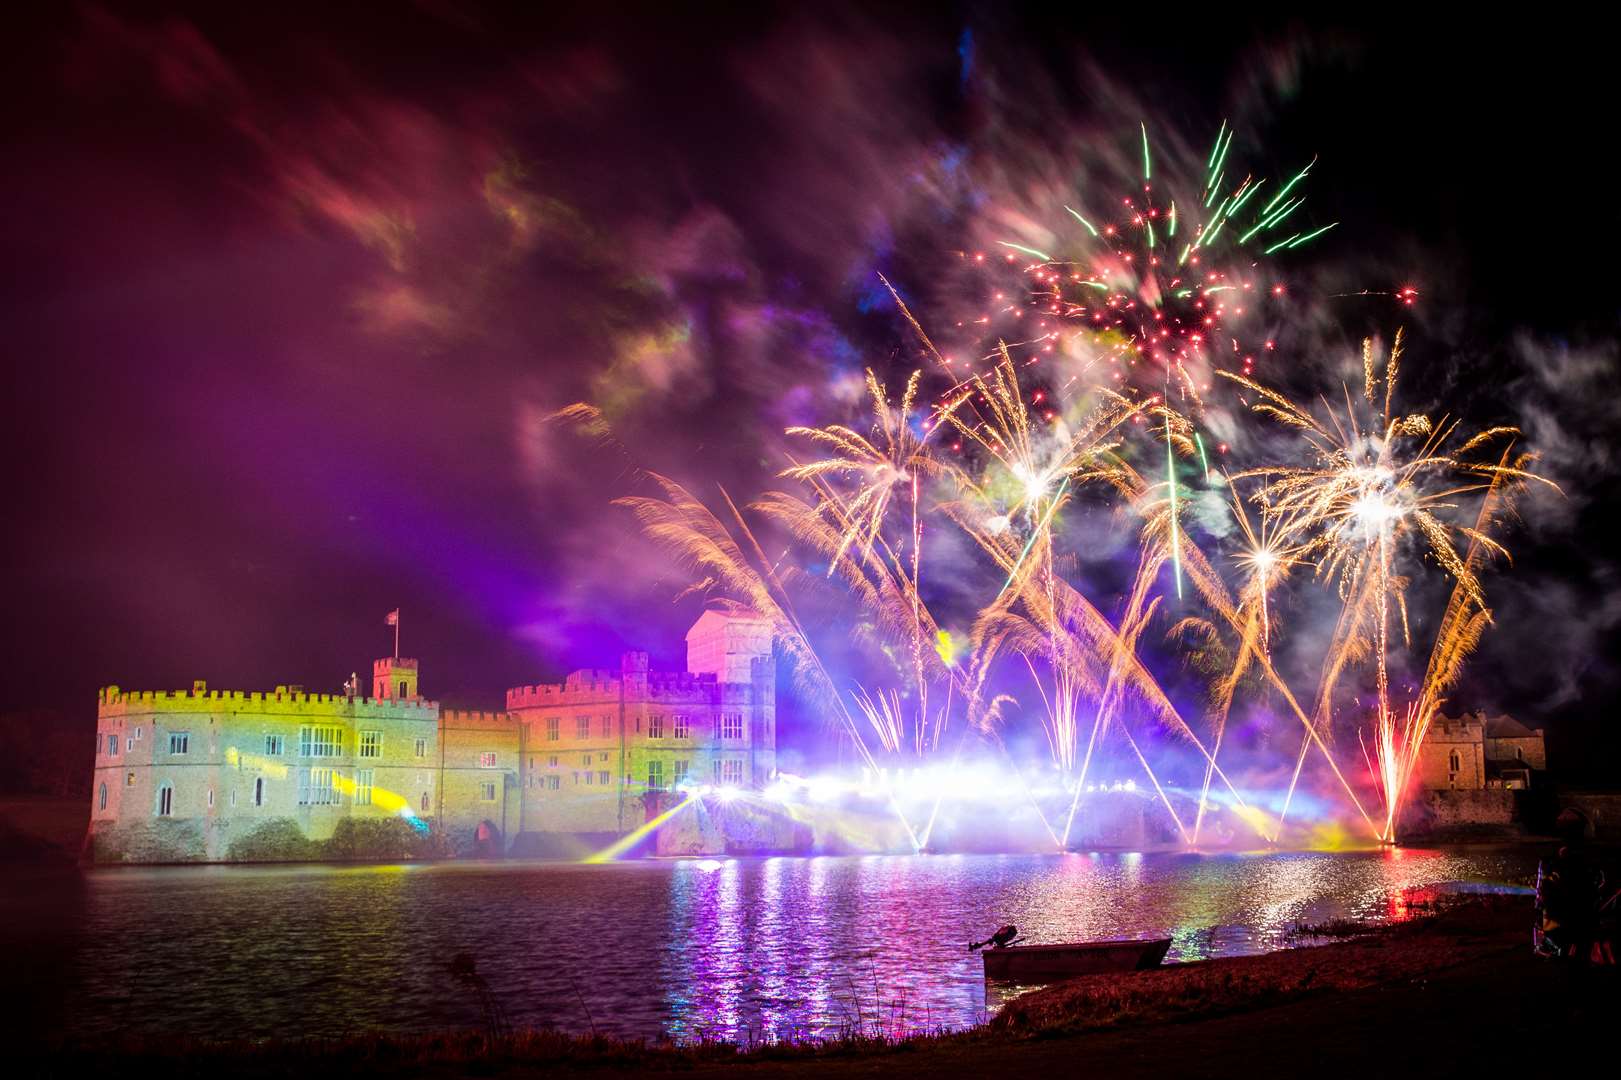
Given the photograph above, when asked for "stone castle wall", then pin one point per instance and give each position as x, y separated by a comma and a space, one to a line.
204, 775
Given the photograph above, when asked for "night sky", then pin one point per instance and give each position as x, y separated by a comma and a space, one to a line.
289, 297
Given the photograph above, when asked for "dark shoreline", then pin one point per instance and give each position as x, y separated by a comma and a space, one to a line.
1352, 1000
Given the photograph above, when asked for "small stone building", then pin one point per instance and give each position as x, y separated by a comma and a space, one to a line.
1474, 751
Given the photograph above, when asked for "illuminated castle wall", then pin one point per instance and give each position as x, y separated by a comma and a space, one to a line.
210, 775
595, 743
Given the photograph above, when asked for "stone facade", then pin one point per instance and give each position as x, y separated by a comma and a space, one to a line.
1475, 751
206, 775
1453, 755
597, 744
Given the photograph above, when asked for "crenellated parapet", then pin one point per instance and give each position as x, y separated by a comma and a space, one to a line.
114, 700
594, 687
672, 682
477, 720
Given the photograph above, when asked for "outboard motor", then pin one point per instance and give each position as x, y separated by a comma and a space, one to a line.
1003, 937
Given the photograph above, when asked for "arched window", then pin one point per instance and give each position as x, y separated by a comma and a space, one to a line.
258, 791
424, 802
165, 799
101, 798
1454, 762
402, 688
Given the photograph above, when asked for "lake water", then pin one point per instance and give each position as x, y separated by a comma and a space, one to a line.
733, 948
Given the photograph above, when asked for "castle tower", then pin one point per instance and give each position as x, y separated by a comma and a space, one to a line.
725, 645
394, 678
633, 675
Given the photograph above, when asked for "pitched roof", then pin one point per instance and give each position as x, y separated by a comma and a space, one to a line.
1506, 727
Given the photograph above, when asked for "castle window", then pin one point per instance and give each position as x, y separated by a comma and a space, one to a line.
258, 791
552, 723
486, 792
129, 744
683, 726
486, 759
232, 799
655, 726
363, 782
589, 776
552, 761
1455, 762
315, 788
553, 783
582, 727
112, 746
402, 689
602, 757
179, 742
607, 726
211, 798
371, 744
165, 799
422, 748
731, 725
655, 776
731, 771
137, 732
101, 797
273, 746
424, 802
602, 778
129, 780
680, 773
320, 741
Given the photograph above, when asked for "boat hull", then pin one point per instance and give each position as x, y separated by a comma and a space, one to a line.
1050, 963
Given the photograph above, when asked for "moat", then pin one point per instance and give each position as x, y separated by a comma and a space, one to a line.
726, 948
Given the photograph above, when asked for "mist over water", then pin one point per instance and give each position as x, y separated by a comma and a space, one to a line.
736, 948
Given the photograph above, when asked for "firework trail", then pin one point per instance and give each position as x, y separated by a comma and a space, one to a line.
1168, 291
1373, 480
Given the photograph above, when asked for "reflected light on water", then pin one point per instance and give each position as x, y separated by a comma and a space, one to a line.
734, 948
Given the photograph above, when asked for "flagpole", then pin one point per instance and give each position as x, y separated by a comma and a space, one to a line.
396, 633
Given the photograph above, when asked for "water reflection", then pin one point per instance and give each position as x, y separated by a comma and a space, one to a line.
733, 948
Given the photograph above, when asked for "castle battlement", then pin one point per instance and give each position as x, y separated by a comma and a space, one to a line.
113, 700
591, 686
477, 719
673, 682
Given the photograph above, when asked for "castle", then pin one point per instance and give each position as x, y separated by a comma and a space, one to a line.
1476, 751
209, 775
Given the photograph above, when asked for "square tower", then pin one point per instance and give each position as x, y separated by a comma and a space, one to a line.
725, 645
394, 678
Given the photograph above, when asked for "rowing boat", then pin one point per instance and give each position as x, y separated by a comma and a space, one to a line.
1049, 963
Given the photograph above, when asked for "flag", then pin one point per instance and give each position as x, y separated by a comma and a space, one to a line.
392, 618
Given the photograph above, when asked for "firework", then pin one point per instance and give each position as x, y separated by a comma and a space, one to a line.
1169, 289
1374, 480
1167, 281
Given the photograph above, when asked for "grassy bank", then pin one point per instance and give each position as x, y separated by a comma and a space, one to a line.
1384, 999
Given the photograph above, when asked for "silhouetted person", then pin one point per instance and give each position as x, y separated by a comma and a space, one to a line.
1569, 887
